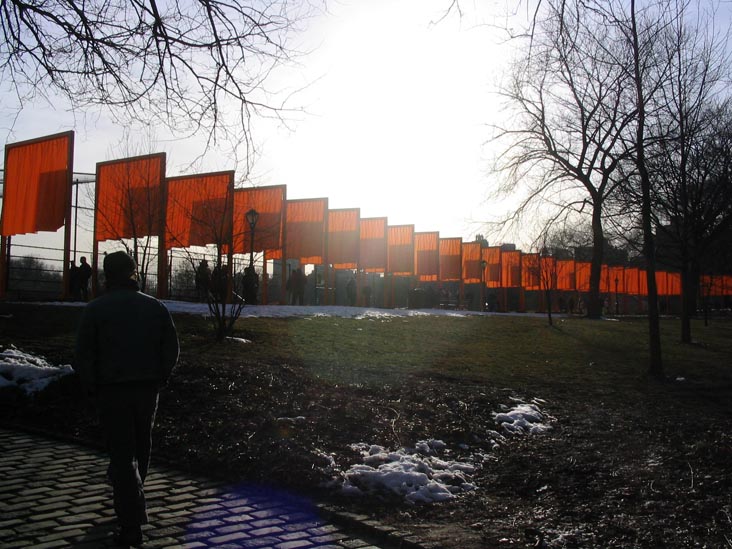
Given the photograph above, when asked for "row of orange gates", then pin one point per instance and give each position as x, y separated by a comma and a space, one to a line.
135, 198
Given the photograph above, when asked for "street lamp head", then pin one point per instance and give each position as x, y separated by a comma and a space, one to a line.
252, 218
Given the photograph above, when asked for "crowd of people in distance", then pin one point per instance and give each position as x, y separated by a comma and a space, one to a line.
296, 286
214, 283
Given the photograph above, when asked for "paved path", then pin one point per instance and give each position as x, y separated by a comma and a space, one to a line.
54, 494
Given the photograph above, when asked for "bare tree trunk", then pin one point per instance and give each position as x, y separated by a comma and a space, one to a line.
594, 301
689, 289
655, 365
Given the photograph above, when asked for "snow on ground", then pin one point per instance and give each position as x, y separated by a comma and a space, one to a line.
523, 419
419, 475
29, 372
416, 474
342, 311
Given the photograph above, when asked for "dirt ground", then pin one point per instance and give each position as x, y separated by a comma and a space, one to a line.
648, 465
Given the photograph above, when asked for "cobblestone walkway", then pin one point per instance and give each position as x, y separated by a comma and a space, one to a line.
54, 494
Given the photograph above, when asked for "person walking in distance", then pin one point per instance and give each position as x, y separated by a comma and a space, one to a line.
203, 281
126, 349
84, 274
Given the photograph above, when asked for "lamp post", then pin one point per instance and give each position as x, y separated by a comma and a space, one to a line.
617, 303
252, 218
483, 265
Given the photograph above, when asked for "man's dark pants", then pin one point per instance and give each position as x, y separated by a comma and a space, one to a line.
127, 414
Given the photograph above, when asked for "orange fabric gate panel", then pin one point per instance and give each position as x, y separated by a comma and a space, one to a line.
714, 285
582, 276
492, 258
662, 282
642, 282
269, 202
427, 256
129, 197
674, 283
511, 267
530, 272
451, 265
372, 253
565, 274
305, 221
548, 270
616, 277
471, 263
199, 209
604, 279
37, 188
400, 250
631, 276
343, 237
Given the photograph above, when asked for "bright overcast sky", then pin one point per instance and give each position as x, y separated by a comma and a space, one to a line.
397, 116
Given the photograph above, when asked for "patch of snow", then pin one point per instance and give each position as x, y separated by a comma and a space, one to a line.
416, 474
558, 538
523, 419
27, 371
238, 339
299, 420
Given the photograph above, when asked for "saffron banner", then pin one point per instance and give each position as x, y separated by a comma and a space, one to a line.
37, 189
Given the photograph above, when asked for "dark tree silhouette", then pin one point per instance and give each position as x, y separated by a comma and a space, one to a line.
689, 128
570, 99
192, 65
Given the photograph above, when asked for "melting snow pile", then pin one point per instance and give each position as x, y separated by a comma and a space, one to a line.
523, 419
26, 371
416, 474
419, 475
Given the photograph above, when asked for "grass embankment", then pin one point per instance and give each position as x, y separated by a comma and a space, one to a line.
496, 350
491, 349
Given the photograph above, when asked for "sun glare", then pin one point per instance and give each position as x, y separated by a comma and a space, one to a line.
398, 118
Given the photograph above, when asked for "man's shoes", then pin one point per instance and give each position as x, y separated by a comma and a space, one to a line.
128, 537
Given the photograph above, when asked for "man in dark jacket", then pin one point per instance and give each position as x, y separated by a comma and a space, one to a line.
126, 349
84, 274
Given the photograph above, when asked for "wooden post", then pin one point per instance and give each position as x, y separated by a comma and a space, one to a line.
4, 264
162, 245
66, 281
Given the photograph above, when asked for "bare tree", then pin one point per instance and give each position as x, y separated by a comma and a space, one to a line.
570, 98
692, 213
193, 66
557, 241
675, 72
691, 131
542, 271
642, 30
599, 92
